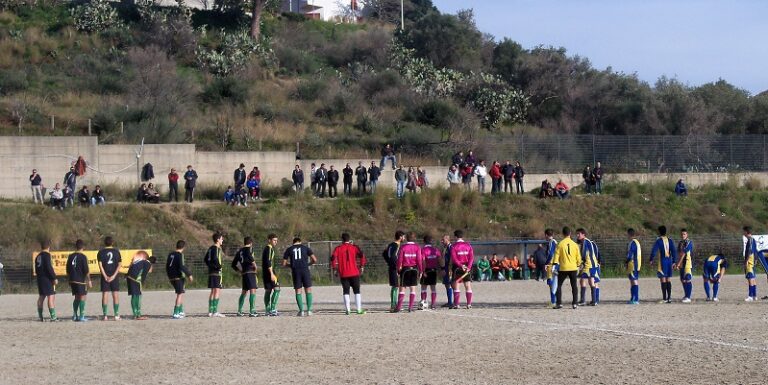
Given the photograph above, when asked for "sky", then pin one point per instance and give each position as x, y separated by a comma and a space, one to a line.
695, 41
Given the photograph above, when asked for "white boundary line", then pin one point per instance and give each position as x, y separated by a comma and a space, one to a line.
612, 331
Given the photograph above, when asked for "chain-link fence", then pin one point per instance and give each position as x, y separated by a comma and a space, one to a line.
570, 153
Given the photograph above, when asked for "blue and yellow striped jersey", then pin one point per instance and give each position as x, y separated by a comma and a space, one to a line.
634, 255
686, 251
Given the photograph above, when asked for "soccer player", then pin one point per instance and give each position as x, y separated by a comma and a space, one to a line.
685, 265
178, 272
433, 262
137, 273
299, 257
664, 248
462, 259
590, 268
212, 259
549, 234
409, 267
750, 251
633, 262
446, 241
566, 262
46, 281
348, 262
390, 257
714, 271
109, 266
268, 275
79, 280
245, 265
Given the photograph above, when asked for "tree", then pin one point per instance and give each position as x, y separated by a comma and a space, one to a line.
447, 41
389, 10
726, 103
257, 7
507, 57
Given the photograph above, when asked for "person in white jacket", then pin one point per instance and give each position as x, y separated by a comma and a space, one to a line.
481, 172
453, 176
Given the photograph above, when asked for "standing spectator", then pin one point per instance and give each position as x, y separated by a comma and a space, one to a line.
496, 177
298, 179
388, 153
333, 181
239, 177
70, 179
484, 268
401, 178
313, 178
97, 196
481, 172
321, 178
509, 174
190, 182
586, 174
374, 172
561, 189
466, 176
530, 262
519, 174
680, 189
362, 178
412, 178
540, 260
173, 186
598, 171
347, 172
84, 197
453, 176
470, 159
421, 178
37, 186
458, 159
57, 197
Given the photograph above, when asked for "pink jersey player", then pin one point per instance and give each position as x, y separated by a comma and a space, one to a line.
431, 257
410, 256
462, 254
462, 258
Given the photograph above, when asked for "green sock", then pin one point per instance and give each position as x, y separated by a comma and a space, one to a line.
240, 303
210, 305
309, 301
393, 297
115, 308
138, 305
52, 311
40, 313
267, 300
133, 305
104, 309
181, 308
75, 307
275, 297
82, 309
252, 302
215, 305
299, 302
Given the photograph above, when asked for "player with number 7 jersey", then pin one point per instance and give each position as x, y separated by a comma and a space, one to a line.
109, 265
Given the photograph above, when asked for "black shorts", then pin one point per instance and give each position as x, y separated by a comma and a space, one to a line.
45, 287
110, 286
134, 288
78, 289
269, 284
214, 281
409, 277
353, 282
429, 278
301, 278
178, 285
250, 281
458, 273
394, 279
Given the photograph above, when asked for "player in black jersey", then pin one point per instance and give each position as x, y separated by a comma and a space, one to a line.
79, 278
269, 276
178, 272
213, 260
245, 265
299, 257
46, 281
109, 266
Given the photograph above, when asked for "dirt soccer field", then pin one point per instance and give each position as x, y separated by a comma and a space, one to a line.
510, 336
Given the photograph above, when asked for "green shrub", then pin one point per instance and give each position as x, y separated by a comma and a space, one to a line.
95, 16
226, 89
435, 113
296, 62
310, 90
12, 81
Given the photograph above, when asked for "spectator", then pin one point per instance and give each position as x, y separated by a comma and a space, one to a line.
496, 177
229, 196
453, 176
466, 176
321, 177
562, 190
412, 180
141, 194
458, 159
401, 178
496, 268
254, 187
152, 195
530, 261
546, 190
242, 194
598, 171
333, 181
519, 175
509, 174
680, 189
240, 177
388, 153
421, 178
97, 196
313, 178
84, 197
57, 197
506, 267
481, 172
173, 186
362, 178
515, 270
298, 179
589, 179
190, 182
470, 159
255, 173
540, 259
70, 179
347, 173
374, 172
36, 183
484, 268
69, 196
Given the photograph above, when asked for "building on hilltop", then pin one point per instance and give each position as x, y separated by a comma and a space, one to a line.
328, 10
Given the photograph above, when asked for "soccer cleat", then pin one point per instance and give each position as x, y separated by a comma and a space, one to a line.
309, 313
593, 304
446, 305
253, 315
117, 318
469, 306
709, 299
361, 311
182, 314
582, 303
106, 318
633, 302
686, 300
240, 314
219, 315
749, 299
82, 319
210, 315
574, 306
177, 316
662, 301
668, 301
346, 312
74, 318
54, 319
715, 299
300, 314
558, 307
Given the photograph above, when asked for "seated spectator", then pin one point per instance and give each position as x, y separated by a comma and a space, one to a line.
141, 194
69, 196
506, 267
242, 196
97, 197
562, 190
57, 197
484, 268
229, 196
531, 262
84, 197
515, 270
680, 189
152, 196
496, 268
253, 188
546, 190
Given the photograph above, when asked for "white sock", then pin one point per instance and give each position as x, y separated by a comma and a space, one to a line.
346, 302
359, 301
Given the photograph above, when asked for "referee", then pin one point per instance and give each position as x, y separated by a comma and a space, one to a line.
566, 264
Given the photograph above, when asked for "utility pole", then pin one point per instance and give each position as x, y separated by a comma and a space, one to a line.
402, 15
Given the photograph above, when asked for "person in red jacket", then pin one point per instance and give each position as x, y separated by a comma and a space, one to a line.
348, 262
173, 186
496, 177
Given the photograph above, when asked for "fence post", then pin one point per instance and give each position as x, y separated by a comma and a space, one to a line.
89, 127
594, 157
122, 128
730, 151
53, 123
